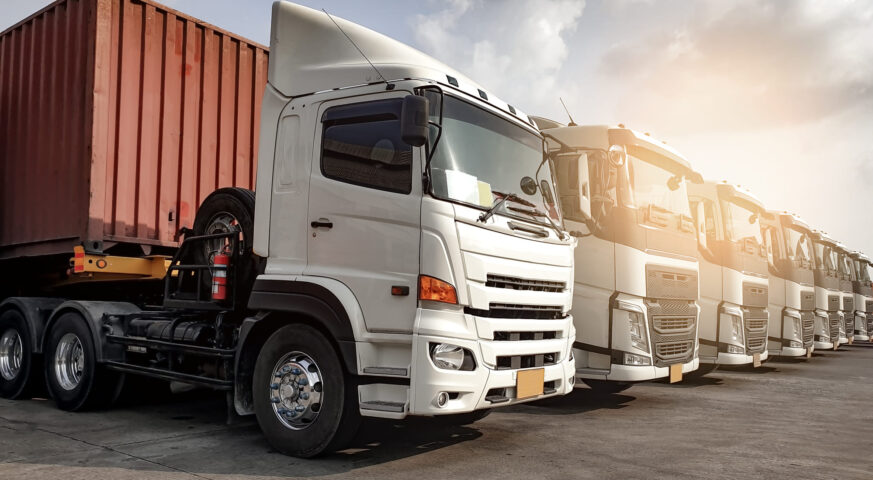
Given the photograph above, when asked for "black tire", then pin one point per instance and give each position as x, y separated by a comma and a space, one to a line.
19, 367
237, 204
95, 387
460, 419
606, 387
338, 417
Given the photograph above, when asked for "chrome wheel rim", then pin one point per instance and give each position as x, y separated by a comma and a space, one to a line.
69, 361
221, 223
296, 390
11, 353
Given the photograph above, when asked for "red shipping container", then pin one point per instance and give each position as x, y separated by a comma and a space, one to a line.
117, 118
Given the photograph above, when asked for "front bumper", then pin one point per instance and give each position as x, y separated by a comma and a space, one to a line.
487, 386
725, 358
642, 373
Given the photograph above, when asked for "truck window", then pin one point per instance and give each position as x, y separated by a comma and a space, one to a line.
361, 145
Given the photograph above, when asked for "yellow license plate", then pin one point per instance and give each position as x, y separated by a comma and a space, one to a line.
676, 373
529, 383
756, 360
808, 353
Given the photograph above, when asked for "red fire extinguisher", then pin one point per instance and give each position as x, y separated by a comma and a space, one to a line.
220, 262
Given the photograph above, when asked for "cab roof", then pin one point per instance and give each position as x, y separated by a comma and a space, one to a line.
311, 51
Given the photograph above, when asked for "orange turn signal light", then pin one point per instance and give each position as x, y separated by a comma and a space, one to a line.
436, 290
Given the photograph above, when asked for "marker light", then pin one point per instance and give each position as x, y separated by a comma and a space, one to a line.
436, 290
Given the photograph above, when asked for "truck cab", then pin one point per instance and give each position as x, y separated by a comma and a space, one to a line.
734, 281
791, 296
846, 273
828, 298
635, 293
404, 247
863, 290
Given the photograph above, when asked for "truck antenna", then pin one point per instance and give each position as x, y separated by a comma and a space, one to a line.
357, 48
572, 123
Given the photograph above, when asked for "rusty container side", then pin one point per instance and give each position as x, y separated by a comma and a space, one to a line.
43, 126
118, 118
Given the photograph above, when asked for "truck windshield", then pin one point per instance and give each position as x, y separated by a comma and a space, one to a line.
846, 269
825, 258
742, 224
799, 246
863, 271
651, 187
481, 157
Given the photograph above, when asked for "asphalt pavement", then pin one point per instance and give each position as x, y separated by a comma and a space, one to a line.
788, 419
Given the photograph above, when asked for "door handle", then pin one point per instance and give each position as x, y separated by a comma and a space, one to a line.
322, 222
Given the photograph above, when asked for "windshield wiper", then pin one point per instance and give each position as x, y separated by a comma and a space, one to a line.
505, 196
540, 214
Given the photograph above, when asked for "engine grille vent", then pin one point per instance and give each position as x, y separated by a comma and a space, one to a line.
518, 283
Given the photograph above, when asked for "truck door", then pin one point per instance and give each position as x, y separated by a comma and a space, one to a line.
365, 208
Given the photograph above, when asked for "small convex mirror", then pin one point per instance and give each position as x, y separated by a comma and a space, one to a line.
413, 120
528, 185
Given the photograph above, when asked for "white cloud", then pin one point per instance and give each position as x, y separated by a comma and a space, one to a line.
514, 48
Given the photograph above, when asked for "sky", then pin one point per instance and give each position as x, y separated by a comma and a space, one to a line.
774, 95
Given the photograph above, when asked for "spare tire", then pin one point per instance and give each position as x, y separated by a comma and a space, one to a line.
226, 210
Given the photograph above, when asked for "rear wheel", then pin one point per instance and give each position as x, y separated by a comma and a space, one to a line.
302, 399
74, 379
605, 387
18, 374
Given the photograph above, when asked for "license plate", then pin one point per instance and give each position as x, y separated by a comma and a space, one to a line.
808, 353
529, 383
851, 340
836, 344
676, 373
756, 360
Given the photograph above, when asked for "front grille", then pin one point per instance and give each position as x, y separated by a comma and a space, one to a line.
668, 325
518, 283
834, 322
755, 323
511, 310
674, 350
515, 362
503, 336
673, 330
808, 321
671, 284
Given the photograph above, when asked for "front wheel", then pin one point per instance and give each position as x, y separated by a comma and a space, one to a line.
18, 374
605, 387
302, 401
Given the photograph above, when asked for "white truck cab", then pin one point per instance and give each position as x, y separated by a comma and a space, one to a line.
791, 296
828, 298
846, 272
635, 293
455, 282
863, 290
733, 275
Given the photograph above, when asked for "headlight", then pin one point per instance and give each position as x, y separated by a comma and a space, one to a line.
451, 357
795, 344
637, 329
737, 328
736, 349
798, 328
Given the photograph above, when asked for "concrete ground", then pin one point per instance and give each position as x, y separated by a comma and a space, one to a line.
787, 419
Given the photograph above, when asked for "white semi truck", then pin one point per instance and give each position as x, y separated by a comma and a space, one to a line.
406, 259
733, 275
635, 295
827, 292
847, 295
863, 289
791, 295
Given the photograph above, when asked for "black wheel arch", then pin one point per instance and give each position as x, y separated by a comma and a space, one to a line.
37, 312
278, 304
93, 313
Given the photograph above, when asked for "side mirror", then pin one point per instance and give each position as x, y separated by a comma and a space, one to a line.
583, 185
413, 120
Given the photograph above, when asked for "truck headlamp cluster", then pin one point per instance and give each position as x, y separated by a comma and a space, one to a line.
798, 327
452, 357
795, 344
636, 325
736, 329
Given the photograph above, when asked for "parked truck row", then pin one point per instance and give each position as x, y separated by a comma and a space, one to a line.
341, 227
